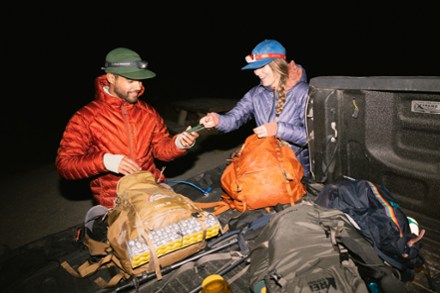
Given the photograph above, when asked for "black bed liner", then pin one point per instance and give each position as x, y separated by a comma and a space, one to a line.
379, 83
384, 129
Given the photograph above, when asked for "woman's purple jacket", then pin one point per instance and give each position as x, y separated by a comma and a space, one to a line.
260, 103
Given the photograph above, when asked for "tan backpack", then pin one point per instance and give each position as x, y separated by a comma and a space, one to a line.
149, 228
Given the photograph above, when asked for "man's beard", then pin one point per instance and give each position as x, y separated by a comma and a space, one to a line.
129, 96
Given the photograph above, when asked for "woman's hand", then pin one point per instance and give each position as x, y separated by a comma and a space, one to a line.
265, 130
210, 120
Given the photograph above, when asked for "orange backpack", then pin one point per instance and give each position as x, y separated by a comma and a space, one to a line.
263, 173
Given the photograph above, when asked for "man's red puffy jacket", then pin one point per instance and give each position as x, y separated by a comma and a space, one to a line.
111, 125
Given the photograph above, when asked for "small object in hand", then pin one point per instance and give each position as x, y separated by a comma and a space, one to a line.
196, 128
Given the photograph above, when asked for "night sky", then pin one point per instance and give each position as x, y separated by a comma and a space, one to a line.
53, 54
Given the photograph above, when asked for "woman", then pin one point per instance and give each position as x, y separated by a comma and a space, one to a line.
277, 103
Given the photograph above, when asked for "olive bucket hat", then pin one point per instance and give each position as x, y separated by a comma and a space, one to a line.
127, 63
264, 53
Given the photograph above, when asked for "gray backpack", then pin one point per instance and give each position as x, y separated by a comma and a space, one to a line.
309, 248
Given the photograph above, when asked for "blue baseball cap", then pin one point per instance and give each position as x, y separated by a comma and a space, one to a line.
264, 53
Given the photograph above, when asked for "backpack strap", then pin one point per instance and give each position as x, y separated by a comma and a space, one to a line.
219, 206
387, 205
113, 281
106, 260
154, 259
87, 268
109, 262
96, 248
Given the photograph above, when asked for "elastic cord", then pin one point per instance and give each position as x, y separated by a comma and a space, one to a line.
204, 191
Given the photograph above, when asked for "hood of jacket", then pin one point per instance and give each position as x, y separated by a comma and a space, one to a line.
296, 74
100, 83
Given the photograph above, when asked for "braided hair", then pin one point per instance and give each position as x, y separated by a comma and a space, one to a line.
281, 68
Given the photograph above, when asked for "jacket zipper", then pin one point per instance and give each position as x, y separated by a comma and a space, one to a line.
127, 127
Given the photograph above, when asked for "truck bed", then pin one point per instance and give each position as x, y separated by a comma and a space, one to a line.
35, 267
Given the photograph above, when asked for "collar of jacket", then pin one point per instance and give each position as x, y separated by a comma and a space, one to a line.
295, 75
102, 95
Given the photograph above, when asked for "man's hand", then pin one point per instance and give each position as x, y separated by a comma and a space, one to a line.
120, 164
128, 166
186, 140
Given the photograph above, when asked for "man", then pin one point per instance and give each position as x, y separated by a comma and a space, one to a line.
118, 134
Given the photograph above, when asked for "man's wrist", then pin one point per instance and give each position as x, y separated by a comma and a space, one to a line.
112, 162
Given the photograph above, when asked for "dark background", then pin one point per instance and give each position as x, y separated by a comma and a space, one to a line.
53, 54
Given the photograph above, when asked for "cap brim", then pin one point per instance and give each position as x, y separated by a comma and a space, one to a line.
257, 64
138, 75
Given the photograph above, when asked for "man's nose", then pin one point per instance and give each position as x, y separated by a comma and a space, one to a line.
138, 85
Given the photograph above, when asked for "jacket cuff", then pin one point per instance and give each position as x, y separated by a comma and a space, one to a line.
112, 162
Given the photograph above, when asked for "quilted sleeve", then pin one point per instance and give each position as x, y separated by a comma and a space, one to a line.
76, 157
163, 144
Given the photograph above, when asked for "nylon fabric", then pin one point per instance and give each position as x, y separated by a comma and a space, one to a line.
144, 212
262, 174
110, 125
380, 219
295, 253
150, 228
259, 103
